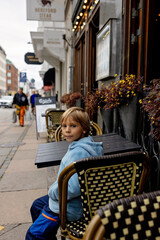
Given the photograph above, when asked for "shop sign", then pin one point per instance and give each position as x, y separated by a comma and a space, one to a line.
45, 10
30, 58
23, 77
53, 39
41, 105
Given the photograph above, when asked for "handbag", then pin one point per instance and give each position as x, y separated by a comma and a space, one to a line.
14, 116
27, 115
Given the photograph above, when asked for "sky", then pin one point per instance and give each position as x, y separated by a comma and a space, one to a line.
14, 37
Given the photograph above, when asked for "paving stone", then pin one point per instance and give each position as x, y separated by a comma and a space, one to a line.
25, 154
17, 181
15, 205
21, 164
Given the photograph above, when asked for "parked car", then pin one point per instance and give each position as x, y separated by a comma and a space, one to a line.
6, 101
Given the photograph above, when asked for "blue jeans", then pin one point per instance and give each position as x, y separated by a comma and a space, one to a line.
45, 222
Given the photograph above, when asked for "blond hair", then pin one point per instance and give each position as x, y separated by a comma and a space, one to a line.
79, 115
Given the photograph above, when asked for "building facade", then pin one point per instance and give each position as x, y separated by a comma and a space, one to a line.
2, 72
101, 38
129, 47
52, 44
11, 78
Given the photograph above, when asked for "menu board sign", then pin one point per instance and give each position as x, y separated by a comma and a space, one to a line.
41, 104
105, 42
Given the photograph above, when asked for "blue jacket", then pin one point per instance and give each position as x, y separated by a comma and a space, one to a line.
32, 98
83, 148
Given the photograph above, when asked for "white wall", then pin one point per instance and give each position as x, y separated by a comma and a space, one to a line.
2, 72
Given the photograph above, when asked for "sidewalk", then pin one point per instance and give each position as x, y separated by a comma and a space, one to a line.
21, 184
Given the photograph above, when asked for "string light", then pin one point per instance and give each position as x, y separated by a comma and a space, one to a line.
79, 16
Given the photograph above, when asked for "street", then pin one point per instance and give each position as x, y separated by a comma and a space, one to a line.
9, 139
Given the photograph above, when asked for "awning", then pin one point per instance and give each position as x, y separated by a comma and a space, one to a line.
49, 77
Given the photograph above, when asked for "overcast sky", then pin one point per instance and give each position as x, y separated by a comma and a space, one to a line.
15, 34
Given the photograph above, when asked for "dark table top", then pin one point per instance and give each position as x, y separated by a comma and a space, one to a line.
50, 154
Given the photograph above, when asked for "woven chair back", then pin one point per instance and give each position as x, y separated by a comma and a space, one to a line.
95, 129
108, 178
52, 122
102, 179
134, 217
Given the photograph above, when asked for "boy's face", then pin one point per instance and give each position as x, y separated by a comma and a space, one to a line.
72, 130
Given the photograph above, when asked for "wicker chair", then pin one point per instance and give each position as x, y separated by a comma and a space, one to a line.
102, 180
94, 130
136, 217
52, 122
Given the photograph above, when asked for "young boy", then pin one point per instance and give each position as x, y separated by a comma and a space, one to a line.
75, 128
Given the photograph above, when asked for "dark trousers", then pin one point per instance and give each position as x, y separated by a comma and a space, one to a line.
45, 222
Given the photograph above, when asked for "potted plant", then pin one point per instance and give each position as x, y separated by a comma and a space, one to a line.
151, 104
124, 95
121, 94
115, 94
122, 91
70, 99
95, 101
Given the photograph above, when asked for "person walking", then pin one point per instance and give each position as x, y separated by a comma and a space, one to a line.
20, 101
45, 210
32, 101
37, 94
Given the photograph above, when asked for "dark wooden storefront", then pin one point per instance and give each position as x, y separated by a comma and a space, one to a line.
139, 55
141, 38
140, 46
85, 51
